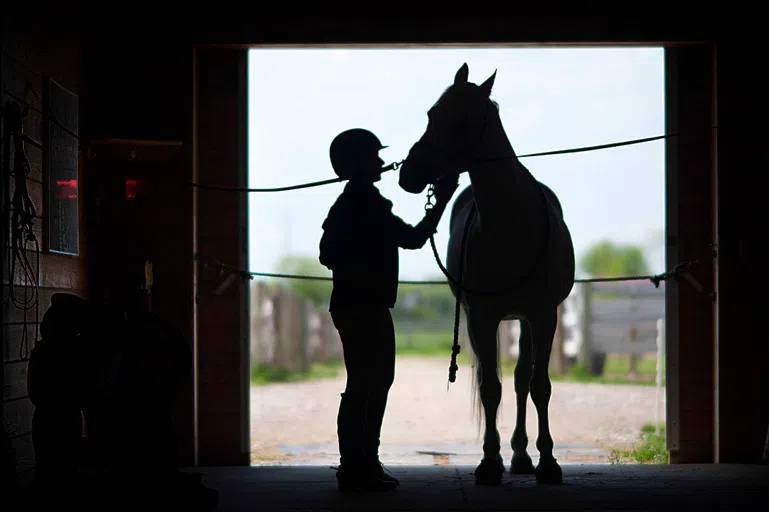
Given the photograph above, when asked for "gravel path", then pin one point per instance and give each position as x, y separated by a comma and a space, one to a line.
296, 422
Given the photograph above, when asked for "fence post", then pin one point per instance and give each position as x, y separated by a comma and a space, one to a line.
318, 335
289, 323
305, 335
585, 324
262, 341
632, 337
256, 324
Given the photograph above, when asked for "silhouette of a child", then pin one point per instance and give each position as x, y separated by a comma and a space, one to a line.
360, 242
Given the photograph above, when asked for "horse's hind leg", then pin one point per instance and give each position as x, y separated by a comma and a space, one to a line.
483, 336
521, 463
543, 330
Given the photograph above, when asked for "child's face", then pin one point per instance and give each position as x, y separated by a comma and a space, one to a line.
370, 168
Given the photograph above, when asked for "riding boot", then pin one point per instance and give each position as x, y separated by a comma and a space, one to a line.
351, 422
354, 473
375, 414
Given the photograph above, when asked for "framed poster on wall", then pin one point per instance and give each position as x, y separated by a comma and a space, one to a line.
61, 187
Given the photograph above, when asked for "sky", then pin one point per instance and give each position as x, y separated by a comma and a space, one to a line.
549, 99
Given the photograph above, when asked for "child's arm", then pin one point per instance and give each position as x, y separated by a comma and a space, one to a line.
415, 237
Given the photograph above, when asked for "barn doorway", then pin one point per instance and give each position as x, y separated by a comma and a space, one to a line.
609, 393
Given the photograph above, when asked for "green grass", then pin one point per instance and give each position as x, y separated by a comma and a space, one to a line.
424, 342
262, 375
650, 450
615, 372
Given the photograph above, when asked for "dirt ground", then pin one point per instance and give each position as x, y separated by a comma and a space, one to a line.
586, 420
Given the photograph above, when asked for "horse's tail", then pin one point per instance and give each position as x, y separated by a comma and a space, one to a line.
477, 404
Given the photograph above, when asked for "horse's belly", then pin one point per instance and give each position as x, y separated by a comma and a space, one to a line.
507, 266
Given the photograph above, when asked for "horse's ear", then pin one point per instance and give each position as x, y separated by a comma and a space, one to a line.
462, 74
488, 84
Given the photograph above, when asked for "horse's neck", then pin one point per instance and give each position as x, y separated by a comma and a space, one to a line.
506, 195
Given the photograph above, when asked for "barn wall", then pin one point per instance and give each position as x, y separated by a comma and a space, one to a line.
126, 91
31, 55
742, 403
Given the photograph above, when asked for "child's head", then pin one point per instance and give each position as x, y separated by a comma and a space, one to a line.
355, 155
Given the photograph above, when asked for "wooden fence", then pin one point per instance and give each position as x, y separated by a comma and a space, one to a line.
599, 319
288, 331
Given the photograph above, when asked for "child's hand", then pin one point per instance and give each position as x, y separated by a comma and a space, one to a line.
445, 187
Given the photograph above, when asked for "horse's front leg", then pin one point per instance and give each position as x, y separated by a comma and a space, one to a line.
483, 336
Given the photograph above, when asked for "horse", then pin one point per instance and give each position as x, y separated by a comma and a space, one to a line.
513, 253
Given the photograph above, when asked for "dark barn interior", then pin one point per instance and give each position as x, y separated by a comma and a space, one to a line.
141, 114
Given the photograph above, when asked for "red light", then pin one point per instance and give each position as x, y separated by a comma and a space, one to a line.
132, 188
66, 189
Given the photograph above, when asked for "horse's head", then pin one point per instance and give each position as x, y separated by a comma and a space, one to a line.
455, 128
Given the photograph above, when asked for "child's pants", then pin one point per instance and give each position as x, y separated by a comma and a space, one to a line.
368, 340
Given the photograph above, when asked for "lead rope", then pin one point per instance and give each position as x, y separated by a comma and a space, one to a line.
455, 348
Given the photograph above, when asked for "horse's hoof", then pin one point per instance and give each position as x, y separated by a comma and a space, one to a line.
490, 471
521, 464
548, 472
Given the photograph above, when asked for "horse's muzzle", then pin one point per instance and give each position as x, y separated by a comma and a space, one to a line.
409, 180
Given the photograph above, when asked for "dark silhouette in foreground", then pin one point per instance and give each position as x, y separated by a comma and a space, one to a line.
114, 370
360, 242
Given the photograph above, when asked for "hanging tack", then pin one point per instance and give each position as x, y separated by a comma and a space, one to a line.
148, 273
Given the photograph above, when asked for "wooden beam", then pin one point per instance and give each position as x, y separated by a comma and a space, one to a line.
689, 224
222, 321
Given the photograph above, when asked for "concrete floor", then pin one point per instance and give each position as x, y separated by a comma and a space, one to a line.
467, 453
585, 487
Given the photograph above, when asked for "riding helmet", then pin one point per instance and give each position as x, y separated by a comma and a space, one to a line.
349, 146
